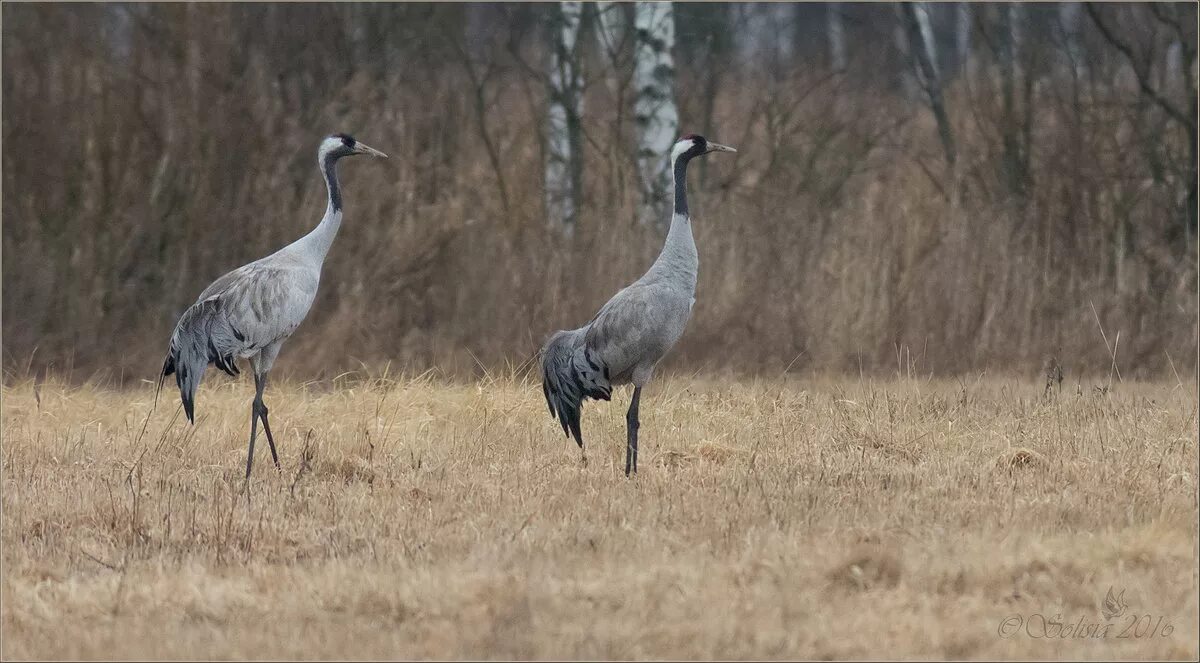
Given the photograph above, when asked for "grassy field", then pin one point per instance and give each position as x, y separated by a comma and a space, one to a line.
811, 518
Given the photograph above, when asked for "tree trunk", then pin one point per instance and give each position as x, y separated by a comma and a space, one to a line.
564, 164
610, 33
962, 38
718, 46
925, 22
908, 76
837, 36
612, 29
1068, 18
1173, 72
924, 54
1016, 35
655, 113
1012, 16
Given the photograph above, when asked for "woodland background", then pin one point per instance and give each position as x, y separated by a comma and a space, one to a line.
923, 188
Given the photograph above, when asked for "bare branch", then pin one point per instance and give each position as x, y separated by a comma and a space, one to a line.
1139, 71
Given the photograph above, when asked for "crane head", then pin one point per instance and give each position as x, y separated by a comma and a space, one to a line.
337, 146
695, 145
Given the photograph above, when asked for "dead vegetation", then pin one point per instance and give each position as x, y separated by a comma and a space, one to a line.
175, 142
806, 518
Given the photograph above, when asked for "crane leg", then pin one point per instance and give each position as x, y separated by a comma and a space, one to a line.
631, 422
260, 384
253, 434
270, 440
258, 410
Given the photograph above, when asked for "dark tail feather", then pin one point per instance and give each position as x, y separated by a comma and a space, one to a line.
202, 336
167, 369
189, 405
187, 390
187, 379
565, 387
563, 395
224, 362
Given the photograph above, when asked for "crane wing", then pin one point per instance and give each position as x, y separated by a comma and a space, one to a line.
265, 301
623, 331
239, 314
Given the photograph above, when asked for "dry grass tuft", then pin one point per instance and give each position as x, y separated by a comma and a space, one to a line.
868, 567
1020, 457
817, 518
715, 452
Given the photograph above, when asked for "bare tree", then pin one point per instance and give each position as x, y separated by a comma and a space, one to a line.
1016, 34
1184, 115
923, 11
1068, 18
962, 38
610, 29
921, 48
837, 36
564, 162
655, 112
908, 74
613, 35
1015, 163
481, 75
1174, 69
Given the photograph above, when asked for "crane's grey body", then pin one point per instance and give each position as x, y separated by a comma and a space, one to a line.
249, 312
639, 325
635, 329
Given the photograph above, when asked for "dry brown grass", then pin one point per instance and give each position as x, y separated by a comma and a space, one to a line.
812, 518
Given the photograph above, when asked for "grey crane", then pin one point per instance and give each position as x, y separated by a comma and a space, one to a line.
252, 310
630, 334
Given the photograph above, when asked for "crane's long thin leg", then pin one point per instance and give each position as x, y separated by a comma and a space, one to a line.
260, 384
260, 409
631, 423
253, 434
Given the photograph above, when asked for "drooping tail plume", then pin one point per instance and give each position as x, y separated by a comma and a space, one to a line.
571, 373
202, 336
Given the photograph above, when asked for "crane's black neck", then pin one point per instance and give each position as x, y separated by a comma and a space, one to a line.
681, 162
329, 170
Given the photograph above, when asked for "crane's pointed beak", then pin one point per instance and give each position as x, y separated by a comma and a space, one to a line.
363, 148
717, 147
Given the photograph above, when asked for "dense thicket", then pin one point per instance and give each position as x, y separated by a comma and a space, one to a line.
150, 148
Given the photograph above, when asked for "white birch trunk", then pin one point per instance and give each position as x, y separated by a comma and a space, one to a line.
655, 114
924, 20
923, 59
962, 38
1016, 35
1174, 69
837, 36
563, 175
782, 19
